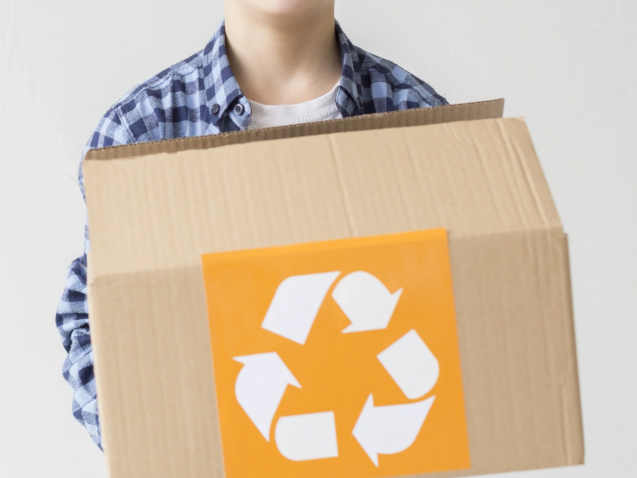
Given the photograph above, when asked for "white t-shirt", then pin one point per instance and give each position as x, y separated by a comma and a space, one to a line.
320, 109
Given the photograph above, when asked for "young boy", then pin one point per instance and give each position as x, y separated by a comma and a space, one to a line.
271, 63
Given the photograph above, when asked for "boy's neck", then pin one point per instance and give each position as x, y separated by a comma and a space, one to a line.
280, 61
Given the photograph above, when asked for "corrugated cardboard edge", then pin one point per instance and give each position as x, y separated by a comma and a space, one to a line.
414, 117
572, 418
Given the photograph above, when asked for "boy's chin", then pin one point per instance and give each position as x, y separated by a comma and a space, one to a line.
289, 8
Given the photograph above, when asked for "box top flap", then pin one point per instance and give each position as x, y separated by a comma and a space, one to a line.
164, 209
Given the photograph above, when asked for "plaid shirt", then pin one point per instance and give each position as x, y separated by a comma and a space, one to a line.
200, 96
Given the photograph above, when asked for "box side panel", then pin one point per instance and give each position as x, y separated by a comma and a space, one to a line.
154, 375
512, 295
412, 117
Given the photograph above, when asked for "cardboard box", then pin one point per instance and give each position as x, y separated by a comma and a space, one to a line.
283, 195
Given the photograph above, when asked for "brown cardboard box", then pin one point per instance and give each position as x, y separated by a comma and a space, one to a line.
155, 208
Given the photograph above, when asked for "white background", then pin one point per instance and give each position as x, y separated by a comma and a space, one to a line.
568, 66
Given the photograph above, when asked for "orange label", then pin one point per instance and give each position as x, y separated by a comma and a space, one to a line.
337, 359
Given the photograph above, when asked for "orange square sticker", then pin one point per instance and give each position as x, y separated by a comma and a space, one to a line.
337, 359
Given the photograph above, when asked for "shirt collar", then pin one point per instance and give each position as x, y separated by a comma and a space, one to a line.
349, 99
222, 89
221, 86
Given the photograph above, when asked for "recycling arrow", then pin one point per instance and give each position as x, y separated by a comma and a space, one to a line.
307, 437
296, 302
390, 429
260, 386
411, 364
365, 301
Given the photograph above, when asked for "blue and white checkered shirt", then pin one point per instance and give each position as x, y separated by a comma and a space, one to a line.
200, 96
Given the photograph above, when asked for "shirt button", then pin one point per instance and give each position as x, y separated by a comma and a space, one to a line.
360, 102
239, 109
215, 109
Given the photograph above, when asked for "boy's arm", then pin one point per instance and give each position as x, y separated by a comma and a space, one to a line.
72, 318
73, 325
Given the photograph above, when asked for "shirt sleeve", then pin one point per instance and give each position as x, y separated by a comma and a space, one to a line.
72, 318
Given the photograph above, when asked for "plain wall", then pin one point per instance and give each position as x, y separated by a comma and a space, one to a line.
569, 67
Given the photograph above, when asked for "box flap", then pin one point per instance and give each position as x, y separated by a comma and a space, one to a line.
163, 210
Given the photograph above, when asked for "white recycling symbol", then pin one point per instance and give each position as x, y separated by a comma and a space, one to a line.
368, 305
